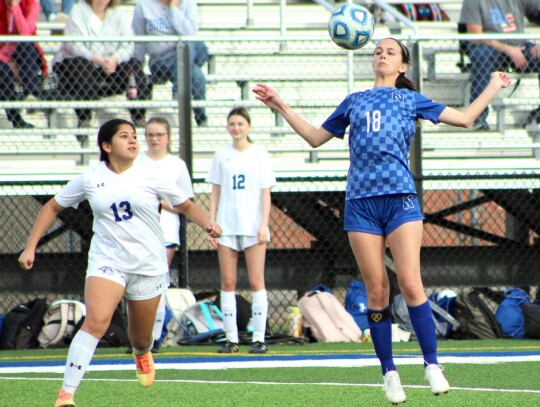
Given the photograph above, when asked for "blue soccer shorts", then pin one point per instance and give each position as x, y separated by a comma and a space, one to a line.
381, 215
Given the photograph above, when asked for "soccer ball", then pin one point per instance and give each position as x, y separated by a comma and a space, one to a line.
351, 26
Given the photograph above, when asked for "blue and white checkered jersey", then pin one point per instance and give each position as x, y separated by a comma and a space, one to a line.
382, 124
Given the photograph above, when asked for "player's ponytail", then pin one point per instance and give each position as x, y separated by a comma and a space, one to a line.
402, 82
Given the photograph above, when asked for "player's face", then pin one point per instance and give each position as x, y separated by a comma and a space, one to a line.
238, 127
157, 137
124, 145
388, 58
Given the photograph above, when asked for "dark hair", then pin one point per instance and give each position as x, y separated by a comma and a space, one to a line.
241, 111
402, 82
165, 123
106, 133
112, 3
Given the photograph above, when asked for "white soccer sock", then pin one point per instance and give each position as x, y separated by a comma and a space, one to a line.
80, 354
259, 311
160, 318
228, 309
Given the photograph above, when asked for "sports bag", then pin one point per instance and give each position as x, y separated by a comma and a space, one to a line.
531, 315
509, 314
22, 324
201, 318
327, 318
356, 303
475, 317
177, 300
59, 323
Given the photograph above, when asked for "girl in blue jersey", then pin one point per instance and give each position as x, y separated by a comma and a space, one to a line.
381, 207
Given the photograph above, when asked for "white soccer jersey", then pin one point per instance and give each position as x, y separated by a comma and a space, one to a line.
127, 235
241, 177
174, 168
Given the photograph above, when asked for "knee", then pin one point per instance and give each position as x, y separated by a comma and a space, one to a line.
412, 291
378, 295
96, 325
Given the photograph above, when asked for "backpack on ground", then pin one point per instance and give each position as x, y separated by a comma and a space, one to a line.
22, 324
201, 321
327, 318
531, 315
356, 303
476, 319
59, 323
177, 300
444, 322
509, 314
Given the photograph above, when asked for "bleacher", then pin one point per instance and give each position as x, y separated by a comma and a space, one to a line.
310, 72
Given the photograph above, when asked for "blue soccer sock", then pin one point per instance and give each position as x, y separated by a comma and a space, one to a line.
380, 326
424, 326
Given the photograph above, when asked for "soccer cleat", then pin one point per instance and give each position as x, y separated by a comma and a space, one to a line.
392, 388
64, 399
145, 369
258, 347
437, 381
228, 347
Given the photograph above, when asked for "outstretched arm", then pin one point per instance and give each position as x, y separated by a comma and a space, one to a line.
44, 219
465, 118
315, 137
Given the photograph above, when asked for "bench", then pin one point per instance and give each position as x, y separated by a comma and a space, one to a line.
502, 105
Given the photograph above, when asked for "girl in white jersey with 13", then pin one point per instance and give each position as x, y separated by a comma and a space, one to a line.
158, 153
127, 252
241, 176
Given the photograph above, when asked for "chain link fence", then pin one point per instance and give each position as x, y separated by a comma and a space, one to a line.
479, 190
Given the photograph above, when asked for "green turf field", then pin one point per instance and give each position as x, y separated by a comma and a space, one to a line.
472, 384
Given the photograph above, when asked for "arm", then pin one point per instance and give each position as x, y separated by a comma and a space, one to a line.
184, 16
125, 50
214, 201
45, 218
139, 28
24, 22
515, 53
314, 137
197, 216
266, 204
465, 118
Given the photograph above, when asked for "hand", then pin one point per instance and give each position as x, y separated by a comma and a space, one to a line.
517, 56
11, 3
26, 259
263, 234
268, 96
109, 65
213, 230
16, 71
535, 52
213, 242
501, 79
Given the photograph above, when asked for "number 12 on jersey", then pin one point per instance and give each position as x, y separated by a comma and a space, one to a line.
239, 182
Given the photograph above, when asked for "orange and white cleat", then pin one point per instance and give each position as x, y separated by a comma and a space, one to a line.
145, 369
64, 399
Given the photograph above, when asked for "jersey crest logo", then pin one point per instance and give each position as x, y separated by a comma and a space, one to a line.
397, 97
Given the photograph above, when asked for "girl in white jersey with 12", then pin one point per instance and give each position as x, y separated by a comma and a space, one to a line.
241, 176
127, 252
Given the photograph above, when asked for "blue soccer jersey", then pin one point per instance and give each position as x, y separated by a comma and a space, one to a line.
382, 124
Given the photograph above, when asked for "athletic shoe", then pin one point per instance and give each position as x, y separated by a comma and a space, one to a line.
64, 399
392, 388
258, 347
228, 347
437, 381
145, 369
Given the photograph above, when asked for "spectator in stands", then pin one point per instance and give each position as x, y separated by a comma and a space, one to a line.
51, 13
172, 17
241, 176
158, 141
381, 205
90, 70
127, 252
20, 63
497, 16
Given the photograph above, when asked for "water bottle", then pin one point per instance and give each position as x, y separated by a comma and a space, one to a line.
132, 86
295, 322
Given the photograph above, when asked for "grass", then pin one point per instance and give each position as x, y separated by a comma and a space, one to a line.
473, 384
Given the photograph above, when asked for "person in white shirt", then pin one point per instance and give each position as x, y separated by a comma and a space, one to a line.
83, 67
127, 252
158, 141
241, 176
172, 17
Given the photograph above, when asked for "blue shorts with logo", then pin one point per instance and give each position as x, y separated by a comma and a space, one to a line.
381, 215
